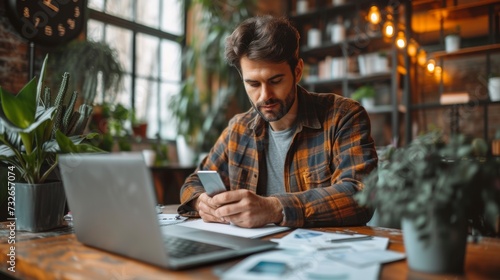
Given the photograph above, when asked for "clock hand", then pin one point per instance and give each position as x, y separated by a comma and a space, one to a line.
49, 4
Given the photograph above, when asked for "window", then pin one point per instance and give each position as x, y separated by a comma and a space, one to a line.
148, 36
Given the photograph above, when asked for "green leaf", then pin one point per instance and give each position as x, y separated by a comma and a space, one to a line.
45, 114
72, 144
20, 109
39, 86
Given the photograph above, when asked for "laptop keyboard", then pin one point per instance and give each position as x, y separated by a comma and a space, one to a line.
180, 247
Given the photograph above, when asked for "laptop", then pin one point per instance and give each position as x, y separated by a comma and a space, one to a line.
113, 203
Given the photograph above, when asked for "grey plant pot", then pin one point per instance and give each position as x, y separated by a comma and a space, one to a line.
443, 251
39, 207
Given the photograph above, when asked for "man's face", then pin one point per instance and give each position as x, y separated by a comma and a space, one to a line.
271, 87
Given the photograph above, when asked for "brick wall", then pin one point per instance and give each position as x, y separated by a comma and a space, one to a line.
14, 55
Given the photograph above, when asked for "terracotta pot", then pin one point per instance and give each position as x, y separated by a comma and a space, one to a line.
140, 130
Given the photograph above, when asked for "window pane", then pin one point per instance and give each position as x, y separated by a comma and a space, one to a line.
146, 92
172, 16
167, 127
147, 55
123, 95
120, 8
148, 12
170, 61
96, 5
95, 30
120, 39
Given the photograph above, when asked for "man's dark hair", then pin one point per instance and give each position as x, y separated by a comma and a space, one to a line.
265, 38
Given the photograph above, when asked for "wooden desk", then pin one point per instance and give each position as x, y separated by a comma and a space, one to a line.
58, 255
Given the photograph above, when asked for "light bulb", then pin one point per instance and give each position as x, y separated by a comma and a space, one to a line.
374, 15
389, 28
431, 65
401, 40
422, 57
438, 70
412, 48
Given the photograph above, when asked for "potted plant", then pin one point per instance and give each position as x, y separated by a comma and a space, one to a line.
113, 126
139, 125
94, 66
366, 95
435, 188
33, 130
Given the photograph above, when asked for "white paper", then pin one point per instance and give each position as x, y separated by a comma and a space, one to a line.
297, 265
364, 258
304, 239
309, 254
235, 230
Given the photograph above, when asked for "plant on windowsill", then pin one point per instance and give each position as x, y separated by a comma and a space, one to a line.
139, 126
34, 128
435, 188
113, 127
366, 95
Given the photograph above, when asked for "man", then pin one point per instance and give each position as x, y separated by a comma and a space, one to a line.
295, 158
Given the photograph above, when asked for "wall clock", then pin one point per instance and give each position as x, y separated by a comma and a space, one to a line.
47, 22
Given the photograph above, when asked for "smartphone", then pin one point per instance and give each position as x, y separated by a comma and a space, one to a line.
211, 181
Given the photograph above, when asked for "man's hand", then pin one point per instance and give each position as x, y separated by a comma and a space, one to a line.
244, 208
206, 209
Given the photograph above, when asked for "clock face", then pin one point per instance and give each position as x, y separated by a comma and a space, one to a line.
48, 22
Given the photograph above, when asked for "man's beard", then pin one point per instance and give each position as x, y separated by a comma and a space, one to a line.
283, 108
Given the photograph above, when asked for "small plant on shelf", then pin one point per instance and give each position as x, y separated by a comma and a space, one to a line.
365, 94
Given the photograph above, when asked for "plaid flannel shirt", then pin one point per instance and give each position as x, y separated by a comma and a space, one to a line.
331, 151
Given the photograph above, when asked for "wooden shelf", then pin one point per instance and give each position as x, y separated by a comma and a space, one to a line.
313, 12
378, 109
384, 109
425, 106
329, 48
467, 51
351, 79
464, 10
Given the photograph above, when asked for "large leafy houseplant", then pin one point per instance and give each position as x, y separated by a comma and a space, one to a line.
33, 129
204, 99
435, 186
430, 173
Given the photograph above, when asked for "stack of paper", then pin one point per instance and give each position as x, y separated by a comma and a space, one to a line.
309, 254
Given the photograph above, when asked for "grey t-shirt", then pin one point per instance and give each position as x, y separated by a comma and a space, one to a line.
279, 142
